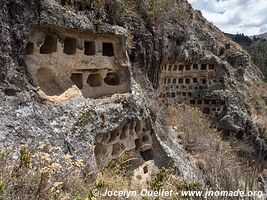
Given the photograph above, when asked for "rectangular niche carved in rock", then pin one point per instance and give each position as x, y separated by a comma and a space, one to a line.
112, 79
77, 79
203, 67
147, 155
206, 110
89, 48
187, 67
29, 48
50, 45
70, 46
94, 80
211, 67
108, 49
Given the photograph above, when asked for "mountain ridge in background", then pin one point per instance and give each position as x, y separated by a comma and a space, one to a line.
256, 46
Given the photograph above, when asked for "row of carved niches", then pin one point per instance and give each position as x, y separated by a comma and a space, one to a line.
213, 108
185, 67
60, 58
136, 137
185, 82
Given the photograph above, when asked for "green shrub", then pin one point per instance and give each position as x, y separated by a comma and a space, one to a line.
158, 182
259, 104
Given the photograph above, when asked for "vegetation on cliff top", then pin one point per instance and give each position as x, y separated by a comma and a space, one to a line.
256, 47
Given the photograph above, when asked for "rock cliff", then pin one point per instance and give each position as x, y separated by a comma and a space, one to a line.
68, 78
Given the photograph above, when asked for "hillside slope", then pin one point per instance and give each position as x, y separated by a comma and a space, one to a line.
99, 79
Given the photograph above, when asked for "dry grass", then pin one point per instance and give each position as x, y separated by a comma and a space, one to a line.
46, 174
216, 158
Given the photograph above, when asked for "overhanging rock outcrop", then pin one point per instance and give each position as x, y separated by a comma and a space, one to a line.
66, 81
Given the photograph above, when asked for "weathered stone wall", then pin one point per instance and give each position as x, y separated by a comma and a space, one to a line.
59, 58
24, 120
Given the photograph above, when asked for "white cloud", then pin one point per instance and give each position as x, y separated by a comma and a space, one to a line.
232, 16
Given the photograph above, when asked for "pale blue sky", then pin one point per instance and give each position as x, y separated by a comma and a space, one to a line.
232, 16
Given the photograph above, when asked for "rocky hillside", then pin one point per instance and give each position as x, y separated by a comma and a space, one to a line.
93, 82
263, 35
256, 46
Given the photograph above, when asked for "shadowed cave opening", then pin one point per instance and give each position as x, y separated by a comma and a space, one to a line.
145, 169
89, 48
70, 46
50, 45
211, 67
147, 155
94, 80
112, 79
29, 48
77, 79
203, 67
206, 110
108, 49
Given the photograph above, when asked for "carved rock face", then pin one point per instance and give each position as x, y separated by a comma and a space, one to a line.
185, 82
59, 58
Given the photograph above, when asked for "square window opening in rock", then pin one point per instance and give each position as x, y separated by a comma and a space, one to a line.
29, 48
147, 155
89, 48
70, 45
108, 49
94, 80
181, 80
187, 81
77, 79
206, 110
211, 67
50, 45
145, 138
194, 80
203, 67
188, 67
112, 79
181, 67
145, 169
175, 68
213, 102
207, 102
